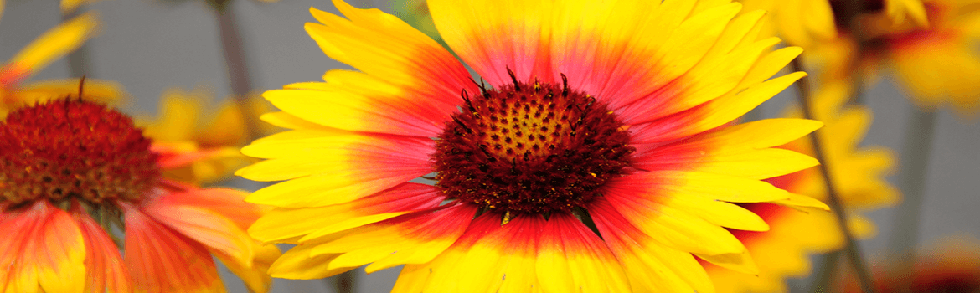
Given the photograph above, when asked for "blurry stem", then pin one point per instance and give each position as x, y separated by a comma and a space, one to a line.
836, 206
239, 76
919, 133
78, 65
828, 272
344, 283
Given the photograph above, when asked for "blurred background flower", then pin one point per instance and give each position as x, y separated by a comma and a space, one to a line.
951, 264
927, 44
187, 121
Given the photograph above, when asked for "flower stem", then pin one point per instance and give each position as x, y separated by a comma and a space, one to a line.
919, 134
837, 207
239, 75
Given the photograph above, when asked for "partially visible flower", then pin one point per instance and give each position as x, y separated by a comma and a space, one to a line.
75, 172
218, 135
54, 44
809, 23
927, 44
938, 64
951, 266
858, 175
612, 113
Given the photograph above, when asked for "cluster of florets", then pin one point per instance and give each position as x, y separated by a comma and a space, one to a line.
530, 148
74, 149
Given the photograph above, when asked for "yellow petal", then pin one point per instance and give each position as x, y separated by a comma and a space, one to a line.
741, 262
286, 120
758, 164
720, 213
56, 43
255, 272
720, 187
298, 264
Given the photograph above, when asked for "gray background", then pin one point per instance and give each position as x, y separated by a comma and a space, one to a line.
151, 46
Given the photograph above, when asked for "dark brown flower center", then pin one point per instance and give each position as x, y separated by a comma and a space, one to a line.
530, 148
74, 149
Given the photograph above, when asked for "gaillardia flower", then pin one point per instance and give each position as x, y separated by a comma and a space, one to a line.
76, 173
595, 154
938, 64
182, 125
927, 44
51, 46
795, 232
825, 21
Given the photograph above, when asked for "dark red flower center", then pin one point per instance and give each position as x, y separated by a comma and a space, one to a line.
530, 148
74, 149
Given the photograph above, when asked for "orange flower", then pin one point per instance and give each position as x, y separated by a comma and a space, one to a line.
74, 172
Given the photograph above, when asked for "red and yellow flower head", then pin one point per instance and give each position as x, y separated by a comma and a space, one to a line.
595, 153
858, 175
75, 173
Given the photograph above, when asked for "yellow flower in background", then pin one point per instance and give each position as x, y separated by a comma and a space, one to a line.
74, 172
53, 45
938, 64
809, 23
613, 113
216, 134
858, 173
927, 44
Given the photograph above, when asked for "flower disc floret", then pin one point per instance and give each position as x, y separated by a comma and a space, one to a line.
85, 150
530, 148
